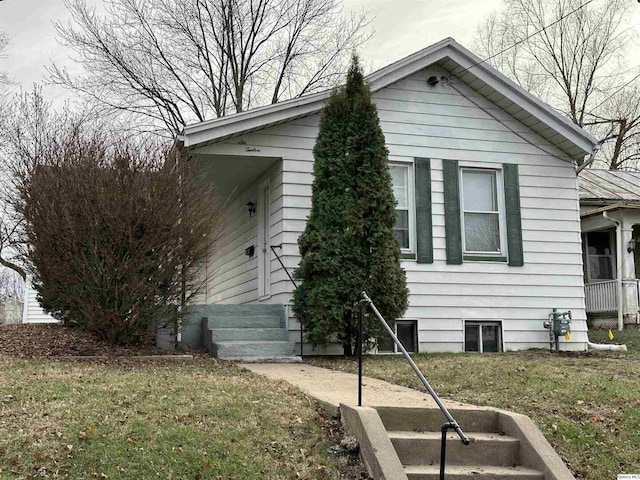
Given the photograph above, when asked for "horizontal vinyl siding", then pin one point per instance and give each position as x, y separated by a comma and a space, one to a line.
439, 123
233, 276
32, 312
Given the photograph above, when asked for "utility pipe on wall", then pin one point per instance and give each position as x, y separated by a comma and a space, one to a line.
619, 248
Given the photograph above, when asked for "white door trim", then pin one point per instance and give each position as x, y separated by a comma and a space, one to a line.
264, 239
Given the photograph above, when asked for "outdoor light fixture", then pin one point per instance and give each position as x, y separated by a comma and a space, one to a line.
631, 245
251, 207
432, 81
249, 251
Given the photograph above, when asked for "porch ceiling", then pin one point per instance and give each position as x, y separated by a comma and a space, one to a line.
232, 173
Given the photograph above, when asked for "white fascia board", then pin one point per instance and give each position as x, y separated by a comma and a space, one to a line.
518, 95
256, 118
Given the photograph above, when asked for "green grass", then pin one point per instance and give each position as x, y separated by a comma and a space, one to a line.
587, 405
197, 420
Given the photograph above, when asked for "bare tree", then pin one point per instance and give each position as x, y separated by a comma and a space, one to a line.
27, 124
11, 285
4, 42
117, 233
570, 53
173, 62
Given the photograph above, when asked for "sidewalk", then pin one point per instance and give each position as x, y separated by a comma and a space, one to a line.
331, 388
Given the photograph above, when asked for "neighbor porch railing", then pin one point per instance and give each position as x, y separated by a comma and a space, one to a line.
602, 297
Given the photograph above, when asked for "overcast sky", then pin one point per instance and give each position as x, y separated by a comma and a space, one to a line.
401, 27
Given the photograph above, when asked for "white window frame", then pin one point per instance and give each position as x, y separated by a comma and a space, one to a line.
480, 324
502, 224
411, 204
395, 330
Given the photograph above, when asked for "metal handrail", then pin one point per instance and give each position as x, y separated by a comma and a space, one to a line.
451, 422
286, 270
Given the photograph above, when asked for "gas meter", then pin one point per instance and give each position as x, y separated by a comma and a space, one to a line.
558, 324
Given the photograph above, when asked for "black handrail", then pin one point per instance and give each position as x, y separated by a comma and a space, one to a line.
451, 423
273, 249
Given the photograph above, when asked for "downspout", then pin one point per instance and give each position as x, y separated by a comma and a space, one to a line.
589, 160
618, 267
602, 346
605, 346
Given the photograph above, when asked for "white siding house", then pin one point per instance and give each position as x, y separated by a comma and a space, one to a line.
32, 311
451, 122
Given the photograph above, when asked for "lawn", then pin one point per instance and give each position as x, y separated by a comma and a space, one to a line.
131, 420
586, 405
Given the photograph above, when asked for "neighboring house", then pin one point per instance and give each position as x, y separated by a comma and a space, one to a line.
488, 213
32, 311
610, 218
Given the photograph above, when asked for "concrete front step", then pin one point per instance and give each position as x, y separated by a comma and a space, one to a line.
224, 310
235, 349
275, 359
483, 472
243, 321
423, 448
249, 334
420, 419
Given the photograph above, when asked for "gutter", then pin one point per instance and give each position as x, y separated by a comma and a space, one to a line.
589, 160
618, 265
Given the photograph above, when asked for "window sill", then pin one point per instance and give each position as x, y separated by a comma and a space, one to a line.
485, 258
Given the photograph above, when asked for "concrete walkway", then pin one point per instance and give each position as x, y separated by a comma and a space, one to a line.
331, 388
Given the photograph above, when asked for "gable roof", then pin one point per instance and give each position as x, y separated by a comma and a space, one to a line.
448, 54
609, 187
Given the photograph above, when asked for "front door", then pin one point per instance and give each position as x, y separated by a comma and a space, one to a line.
264, 239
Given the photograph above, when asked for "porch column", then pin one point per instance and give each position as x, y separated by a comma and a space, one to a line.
630, 295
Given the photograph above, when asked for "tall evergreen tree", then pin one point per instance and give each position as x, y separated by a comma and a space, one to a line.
348, 244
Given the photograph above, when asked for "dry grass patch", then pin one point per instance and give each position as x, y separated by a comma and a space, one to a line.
586, 405
126, 420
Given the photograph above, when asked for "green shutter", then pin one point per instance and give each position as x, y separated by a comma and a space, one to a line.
424, 225
452, 231
512, 208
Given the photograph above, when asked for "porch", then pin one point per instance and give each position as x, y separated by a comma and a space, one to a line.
612, 287
602, 297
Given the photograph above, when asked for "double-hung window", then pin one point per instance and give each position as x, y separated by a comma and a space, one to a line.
402, 181
482, 213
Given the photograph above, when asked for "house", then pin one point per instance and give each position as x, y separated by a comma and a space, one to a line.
610, 219
32, 312
488, 213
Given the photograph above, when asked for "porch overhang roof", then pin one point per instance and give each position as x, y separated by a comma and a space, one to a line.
609, 208
450, 55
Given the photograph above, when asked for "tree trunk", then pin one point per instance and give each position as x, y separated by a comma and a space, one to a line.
615, 163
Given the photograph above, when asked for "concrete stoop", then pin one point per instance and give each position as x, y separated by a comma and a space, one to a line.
403, 443
246, 332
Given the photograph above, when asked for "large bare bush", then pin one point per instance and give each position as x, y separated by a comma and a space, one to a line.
117, 233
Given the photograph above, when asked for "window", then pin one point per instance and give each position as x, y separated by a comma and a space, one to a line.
482, 212
402, 190
599, 253
407, 333
482, 337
